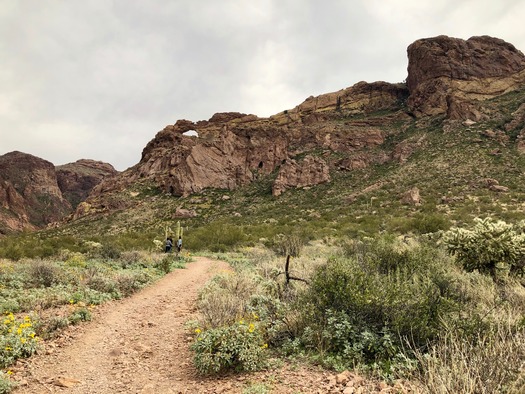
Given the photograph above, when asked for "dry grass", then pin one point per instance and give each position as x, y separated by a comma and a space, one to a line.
490, 363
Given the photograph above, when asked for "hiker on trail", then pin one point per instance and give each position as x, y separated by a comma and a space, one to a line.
179, 244
169, 245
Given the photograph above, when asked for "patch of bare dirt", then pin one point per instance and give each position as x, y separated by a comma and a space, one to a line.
140, 345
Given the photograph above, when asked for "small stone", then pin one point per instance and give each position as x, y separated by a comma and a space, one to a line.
343, 377
66, 382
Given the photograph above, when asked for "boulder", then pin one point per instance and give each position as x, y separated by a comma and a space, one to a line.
411, 197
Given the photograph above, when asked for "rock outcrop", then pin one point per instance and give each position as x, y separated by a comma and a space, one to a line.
29, 193
451, 76
76, 180
350, 129
308, 172
35, 193
234, 149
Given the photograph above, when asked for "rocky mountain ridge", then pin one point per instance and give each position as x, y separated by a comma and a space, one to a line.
450, 81
35, 193
339, 131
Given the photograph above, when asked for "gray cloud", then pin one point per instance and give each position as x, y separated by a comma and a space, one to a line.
98, 79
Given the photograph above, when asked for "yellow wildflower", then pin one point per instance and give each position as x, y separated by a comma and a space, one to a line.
264, 346
198, 330
9, 372
251, 327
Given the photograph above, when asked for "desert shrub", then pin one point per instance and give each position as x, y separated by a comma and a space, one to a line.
345, 341
288, 245
109, 252
493, 247
215, 237
129, 283
43, 273
79, 314
239, 347
165, 264
13, 252
429, 223
491, 362
384, 297
17, 339
49, 327
130, 258
102, 284
225, 298
6, 385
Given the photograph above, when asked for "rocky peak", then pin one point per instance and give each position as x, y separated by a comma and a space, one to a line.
450, 75
76, 180
35, 193
29, 192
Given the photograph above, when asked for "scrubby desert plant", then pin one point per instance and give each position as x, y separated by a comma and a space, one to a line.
493, 247
43, 273
225, 298
239, 347
17, 339
289, 245
6, 384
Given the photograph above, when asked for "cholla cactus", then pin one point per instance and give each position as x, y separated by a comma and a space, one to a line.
158, 244
490, 245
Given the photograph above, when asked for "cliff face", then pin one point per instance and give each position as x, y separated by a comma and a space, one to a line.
29, 192
33, 193
335, 131
234, 149
76, 180
453, 76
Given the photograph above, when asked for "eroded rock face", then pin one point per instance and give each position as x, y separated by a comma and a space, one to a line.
34, 193
348, 128
450, 75
234, 149
76, 180
29, 192
308, 172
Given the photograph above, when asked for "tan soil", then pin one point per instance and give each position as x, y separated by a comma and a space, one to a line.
141, 345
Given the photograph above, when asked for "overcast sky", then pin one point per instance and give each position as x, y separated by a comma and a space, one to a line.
98, 79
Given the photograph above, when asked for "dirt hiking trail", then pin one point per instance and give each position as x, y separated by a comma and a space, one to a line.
140, 345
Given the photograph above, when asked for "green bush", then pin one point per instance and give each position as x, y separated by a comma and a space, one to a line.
429, 223
493, 247
367, 307
238, 347
17, 339
216, 237
6, 385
